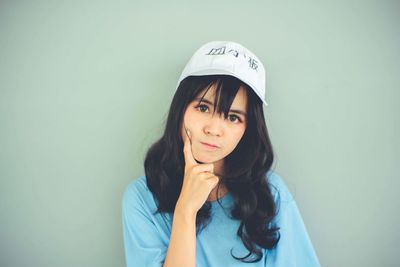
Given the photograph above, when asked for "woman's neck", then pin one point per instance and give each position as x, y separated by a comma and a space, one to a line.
222, 191
218, 170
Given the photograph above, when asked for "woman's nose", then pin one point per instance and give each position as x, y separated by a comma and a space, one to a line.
214, 125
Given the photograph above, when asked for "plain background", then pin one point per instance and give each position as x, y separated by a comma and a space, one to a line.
85, 87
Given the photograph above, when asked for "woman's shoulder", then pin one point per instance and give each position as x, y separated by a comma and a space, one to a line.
137, 191
278, 186
137, 185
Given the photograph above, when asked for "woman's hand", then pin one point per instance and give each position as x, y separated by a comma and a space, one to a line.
198, 182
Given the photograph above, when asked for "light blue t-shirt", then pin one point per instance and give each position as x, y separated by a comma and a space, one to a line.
146, 236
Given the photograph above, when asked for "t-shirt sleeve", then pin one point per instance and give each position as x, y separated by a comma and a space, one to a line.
294, 247
143, 245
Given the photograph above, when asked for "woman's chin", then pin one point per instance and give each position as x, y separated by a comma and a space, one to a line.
205, 159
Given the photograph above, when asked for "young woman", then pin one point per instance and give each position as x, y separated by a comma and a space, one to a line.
209, 196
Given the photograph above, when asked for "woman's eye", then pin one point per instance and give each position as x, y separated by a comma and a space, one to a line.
234, 118
202, 108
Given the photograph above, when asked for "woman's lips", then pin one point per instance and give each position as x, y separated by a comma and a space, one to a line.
210, 146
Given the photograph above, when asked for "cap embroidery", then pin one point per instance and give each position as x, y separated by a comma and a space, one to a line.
222, 51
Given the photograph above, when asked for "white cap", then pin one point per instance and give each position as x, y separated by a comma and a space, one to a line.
230, 58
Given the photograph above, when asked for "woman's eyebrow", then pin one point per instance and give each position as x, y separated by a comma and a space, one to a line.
211, 103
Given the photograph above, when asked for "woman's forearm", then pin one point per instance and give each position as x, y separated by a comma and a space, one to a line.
182, 243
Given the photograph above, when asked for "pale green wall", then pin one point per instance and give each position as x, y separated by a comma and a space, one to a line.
85, 86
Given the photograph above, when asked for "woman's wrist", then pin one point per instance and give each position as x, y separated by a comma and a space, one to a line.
185, 213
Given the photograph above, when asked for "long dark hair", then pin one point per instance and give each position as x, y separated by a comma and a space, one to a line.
244, 176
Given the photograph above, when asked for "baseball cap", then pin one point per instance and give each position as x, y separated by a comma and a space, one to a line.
229, 58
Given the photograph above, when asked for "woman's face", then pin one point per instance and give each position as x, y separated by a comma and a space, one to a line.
208, 128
